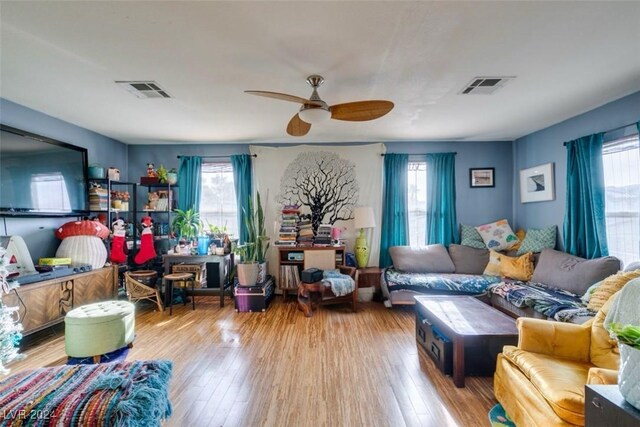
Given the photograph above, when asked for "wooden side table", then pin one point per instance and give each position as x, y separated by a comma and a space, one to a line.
605, 406
370, 277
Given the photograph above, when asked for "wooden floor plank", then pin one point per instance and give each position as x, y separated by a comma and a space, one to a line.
279, 368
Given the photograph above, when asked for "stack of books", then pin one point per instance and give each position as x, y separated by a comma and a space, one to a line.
98, 199
305, 232
323, 237
288, 234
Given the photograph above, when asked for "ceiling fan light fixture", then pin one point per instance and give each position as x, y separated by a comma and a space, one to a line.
314, 115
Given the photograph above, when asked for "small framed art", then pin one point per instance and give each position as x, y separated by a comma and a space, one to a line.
482, 177
536, 184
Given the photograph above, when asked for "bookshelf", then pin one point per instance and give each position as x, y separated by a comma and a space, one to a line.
291, 263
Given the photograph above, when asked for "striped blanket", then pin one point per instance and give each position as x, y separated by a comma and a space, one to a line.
127, 394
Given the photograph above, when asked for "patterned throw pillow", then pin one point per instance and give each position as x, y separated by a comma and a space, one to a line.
469, 237
520, 268
498, 235
538, 239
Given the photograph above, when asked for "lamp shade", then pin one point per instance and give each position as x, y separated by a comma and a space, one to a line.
363, 217
314, 115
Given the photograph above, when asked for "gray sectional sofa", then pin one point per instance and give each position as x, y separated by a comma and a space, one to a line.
559, 280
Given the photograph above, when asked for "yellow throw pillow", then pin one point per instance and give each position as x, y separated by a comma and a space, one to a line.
520, 234
520, 268
493, 267
610, 286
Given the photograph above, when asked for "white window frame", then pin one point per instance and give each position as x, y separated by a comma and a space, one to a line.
207, 213
416, 209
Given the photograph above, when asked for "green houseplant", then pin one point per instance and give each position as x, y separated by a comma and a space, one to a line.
162, 174
186, 224
253, 267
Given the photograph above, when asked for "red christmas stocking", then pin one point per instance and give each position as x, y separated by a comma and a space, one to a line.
147, 251
117, 248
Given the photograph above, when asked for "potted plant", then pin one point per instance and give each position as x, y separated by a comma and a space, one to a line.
247, 267
186, 224
253, 251
162, 174
628, 337
172, 176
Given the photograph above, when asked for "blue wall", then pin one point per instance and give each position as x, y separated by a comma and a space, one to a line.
38, 232
474, 205
546, 146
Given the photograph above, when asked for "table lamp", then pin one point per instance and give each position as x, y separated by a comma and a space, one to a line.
363, 218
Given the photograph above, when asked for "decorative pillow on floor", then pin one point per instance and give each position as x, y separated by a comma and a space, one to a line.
538, 239
498, 235
520, 268
469, 236
610, 286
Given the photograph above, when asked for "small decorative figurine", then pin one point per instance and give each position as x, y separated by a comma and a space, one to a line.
151, 171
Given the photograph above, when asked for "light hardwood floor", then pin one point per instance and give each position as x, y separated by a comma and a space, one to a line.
279, 368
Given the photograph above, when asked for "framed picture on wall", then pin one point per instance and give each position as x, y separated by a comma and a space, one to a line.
536, 184
482, 177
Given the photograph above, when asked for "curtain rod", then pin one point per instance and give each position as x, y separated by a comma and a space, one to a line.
420, 154
219, 157
610, 130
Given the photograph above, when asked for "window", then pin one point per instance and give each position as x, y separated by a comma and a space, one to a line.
218, 206
49, 192
621, 160
417, 188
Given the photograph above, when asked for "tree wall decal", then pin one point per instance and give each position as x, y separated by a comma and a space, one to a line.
323, 182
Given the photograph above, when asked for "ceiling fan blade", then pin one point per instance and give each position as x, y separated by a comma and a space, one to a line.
281, 96
298, 127
360, 111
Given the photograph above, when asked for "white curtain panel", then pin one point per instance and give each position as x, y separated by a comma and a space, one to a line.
363, 161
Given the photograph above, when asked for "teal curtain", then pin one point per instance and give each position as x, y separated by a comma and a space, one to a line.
441, 199
189, 177
584, 221
394, 230
243, 183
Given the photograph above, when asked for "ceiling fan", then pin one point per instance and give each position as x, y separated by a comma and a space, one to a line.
315, 110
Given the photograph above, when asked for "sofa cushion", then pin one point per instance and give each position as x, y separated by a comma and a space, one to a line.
520, 268
571, 273
560, 381
610, 286
469, 236
536, 240
468, 260
497, 235
604, 352
422, 259
520, 234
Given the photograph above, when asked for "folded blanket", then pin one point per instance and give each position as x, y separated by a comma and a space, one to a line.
449, 283
540, 297
341, 284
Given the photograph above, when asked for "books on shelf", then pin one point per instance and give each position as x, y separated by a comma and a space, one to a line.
289, 277
288, 233
323, 236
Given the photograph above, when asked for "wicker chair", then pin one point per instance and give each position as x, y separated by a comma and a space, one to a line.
137, 291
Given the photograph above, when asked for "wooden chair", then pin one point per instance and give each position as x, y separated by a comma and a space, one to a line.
137, 291
326, 260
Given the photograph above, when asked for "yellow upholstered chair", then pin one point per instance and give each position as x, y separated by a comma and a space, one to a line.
541, 381
326, 260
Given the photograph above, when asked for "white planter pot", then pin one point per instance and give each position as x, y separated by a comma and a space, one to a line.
247, 274
83, 250
262, 272
629, 374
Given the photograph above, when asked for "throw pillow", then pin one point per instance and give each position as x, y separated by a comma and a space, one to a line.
421, 259
538, 239
493, 267
610, 286
520, 234
469, 236
468, 260
571, 273
520, 268
587, 295
498, 235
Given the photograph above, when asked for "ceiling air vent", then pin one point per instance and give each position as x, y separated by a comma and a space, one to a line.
144, 90
485, 85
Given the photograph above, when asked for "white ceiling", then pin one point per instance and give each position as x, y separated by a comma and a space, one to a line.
62, 58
